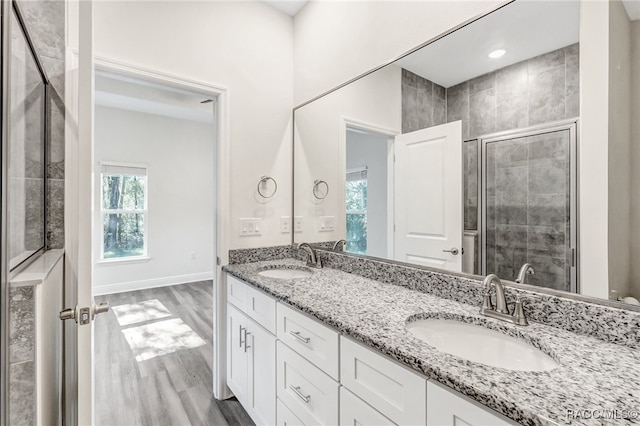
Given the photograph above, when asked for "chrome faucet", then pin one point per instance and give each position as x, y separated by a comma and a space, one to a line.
492, 280
526, 269
501, 311
312, 257
337, 243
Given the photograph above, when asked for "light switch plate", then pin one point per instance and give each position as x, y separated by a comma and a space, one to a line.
326, 223
297, 224
250, 226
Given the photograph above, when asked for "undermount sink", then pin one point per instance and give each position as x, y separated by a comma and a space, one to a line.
479, 344
285, 273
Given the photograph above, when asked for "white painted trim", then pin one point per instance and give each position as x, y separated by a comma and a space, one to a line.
152, 283
351, 123
222, 194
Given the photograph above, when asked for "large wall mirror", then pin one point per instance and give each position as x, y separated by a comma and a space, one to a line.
461, 156
26, 189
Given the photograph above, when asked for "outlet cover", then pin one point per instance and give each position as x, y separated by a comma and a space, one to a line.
297, 224
285, 224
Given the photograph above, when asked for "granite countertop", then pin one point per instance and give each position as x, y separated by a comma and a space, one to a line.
593, 375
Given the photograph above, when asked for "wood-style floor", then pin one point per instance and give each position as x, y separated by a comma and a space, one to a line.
173, 389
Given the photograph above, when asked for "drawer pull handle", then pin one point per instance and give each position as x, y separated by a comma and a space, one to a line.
296, 390
297, 335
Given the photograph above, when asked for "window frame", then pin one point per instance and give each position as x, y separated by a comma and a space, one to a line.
144, 212
362, 170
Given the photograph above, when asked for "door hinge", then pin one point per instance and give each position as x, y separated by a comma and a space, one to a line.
218, 261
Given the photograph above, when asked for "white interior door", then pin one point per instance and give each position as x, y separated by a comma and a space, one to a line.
78, 217
428, 191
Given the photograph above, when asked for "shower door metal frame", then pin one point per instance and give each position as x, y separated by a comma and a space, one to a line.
570, 125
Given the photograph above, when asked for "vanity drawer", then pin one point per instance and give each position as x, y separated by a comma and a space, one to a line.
285, 417
237, 292
396, 392
254, 303
261, 308
310, 338
310, 394
354, 411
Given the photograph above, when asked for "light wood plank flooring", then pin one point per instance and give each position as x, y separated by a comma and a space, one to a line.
171, 389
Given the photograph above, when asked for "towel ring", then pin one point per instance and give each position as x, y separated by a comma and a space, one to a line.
317, 192
262, 184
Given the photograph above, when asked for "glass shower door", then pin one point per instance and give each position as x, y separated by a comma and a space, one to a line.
529, 205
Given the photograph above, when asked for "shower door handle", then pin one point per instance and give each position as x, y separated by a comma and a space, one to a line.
454, 251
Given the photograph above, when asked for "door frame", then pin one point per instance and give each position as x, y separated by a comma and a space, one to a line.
347, 123
570, 125
221, 191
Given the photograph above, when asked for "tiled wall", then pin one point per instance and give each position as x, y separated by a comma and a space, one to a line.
528, 205
45, 21
540, 90
424, 103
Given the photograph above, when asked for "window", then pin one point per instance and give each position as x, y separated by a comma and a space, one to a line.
356, 196
124, 211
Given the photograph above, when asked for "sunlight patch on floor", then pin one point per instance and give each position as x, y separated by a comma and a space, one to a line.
134, 313
161, 338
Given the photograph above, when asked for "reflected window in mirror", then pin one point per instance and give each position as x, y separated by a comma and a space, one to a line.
26, 189
356, 193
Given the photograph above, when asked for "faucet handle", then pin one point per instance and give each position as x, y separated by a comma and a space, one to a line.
519, 316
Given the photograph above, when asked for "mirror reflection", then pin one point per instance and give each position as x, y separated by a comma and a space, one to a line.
26, 171
460, 156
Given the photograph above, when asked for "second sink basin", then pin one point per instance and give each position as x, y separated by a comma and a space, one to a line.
482, 345
285, 274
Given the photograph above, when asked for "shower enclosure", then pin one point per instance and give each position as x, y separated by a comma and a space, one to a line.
528, 204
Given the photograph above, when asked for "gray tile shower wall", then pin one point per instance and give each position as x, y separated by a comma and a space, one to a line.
605, 323
424, 103
536, 91
45, 21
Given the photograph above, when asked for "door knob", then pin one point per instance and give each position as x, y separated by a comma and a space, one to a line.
83, 316
454, 251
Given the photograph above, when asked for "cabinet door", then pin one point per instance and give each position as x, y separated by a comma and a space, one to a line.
236, 353
354, 411
262, 374
446, 407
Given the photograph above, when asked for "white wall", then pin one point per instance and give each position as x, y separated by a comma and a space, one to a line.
593, 159
180, 177
635, 151
243, 45
372, 151
320, 147
619, 148
335, 41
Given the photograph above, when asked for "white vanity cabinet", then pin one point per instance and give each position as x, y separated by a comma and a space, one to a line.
307, 369
395, 391
251, 351
287, 368
449, 408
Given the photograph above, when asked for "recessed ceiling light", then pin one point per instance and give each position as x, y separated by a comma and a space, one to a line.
497, 53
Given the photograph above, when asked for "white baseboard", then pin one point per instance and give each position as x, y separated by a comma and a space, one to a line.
152, 283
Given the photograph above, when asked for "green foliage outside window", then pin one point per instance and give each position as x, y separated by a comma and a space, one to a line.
123, 206
356, 203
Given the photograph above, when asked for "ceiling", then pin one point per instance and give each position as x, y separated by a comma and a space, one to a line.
290, 7
633, 9
122, 92
524, 29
